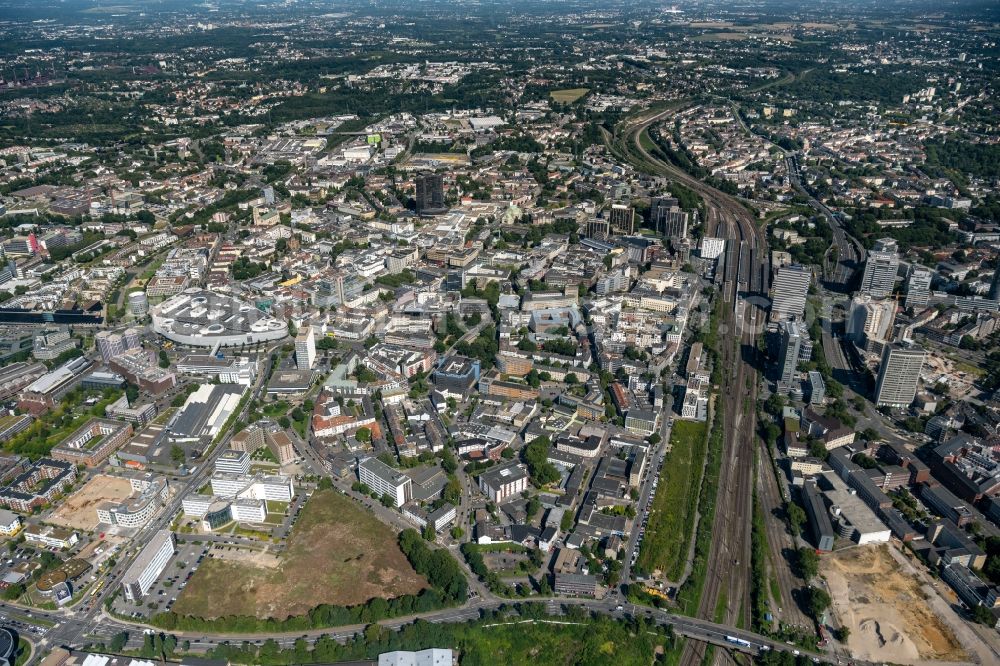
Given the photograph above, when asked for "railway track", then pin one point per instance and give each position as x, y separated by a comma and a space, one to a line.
779, 541
728, 569
726, 595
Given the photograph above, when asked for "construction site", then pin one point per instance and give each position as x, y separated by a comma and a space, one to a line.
891, 614
79, 510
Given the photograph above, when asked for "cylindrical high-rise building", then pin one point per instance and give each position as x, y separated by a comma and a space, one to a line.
138, 303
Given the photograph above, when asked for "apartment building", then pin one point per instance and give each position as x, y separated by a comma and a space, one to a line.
385, 480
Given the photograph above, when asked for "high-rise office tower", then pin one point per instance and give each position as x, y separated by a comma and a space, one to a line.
305, 348
621, 217
430, 193
598, 227
111, 344
918, 287
789, 291
995, 284
898, 375
795, 344
666, 216
880, 268
870, 320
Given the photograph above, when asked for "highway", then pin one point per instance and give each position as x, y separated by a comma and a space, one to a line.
850, 253
849, 372
77, 626
744, 281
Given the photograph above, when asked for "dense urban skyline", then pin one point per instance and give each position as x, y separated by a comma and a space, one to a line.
499, 332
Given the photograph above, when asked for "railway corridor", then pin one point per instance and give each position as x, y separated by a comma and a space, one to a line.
725, 596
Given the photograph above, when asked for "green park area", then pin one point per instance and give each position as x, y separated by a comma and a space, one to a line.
569, 95
553, 642
63, 419
672, 517
529, 636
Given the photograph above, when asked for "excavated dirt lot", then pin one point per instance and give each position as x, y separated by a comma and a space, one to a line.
79, 510
887, 612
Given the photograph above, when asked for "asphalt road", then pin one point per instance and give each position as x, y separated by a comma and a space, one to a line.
700, 630
91, 608
654, 455
850, 254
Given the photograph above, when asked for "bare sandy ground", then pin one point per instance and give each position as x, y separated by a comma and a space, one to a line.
79, 510
255, 558
887, 611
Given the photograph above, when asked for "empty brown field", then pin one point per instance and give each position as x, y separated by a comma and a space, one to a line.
569, 95
337, 553
710, 24
721, 37
79, 510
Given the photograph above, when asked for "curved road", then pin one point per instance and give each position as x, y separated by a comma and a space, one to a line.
850, 252
67, 625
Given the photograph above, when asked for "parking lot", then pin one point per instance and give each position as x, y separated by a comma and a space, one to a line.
23, 560
643, 517
169, 585
24, 624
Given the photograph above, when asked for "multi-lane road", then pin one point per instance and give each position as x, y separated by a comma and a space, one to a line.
849, 252
88, 615
702, 631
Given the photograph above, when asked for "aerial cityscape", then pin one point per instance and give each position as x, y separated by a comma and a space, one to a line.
465, 332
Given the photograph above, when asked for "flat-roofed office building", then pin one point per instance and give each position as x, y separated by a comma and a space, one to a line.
148, 566
385, 480
789, 291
